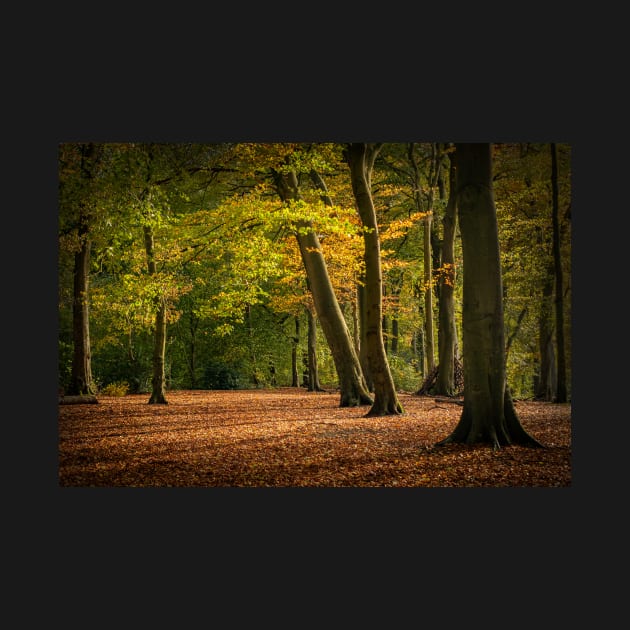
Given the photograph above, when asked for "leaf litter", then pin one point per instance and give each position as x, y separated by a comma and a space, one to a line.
288, 437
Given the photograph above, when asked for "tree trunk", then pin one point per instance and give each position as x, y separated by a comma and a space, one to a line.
356, 332
488, 415
158, 381
363, 346
428, 259
361, 159
192, 359
81, 382
394, 335
353, 390
295, 378
445, 382
311, 344
544, 389
561, 390
385, 324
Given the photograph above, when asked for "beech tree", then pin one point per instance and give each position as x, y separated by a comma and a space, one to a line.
353, 389
488, 415
561, 390
78, 164
447, 337
361, 158
214, 224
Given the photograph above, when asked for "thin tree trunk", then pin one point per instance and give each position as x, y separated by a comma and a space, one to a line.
513, 334
361, 160
394, 335
192, 359
81, 382
295, 378
313, 369
363, 346
385, 324
428, 260
356, 333
158, 381
447, 336
561, 391
543, 389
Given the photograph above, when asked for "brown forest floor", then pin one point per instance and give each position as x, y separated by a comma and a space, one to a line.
291, 437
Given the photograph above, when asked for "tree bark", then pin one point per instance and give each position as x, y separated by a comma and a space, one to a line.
363, 346
81, 382
544, 388
158, 381
488, 415
428, 270
561, 388
353, 390
445, 382
295, 378
429, 351
361, 160
311, 344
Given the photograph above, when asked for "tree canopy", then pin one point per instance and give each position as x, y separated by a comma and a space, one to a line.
207, 242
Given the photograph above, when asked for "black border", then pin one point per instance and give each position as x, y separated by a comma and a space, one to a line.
354, 90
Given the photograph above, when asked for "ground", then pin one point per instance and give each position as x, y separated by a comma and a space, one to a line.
291, 437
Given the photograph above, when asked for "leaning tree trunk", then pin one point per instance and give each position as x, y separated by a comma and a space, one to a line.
353, 389
158, 381
488, 415
445, 381
361, 160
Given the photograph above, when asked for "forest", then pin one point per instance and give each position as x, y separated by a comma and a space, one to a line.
377, 272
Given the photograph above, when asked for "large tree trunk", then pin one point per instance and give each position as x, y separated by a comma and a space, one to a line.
81, 382
561, 390
445, 382
158, 381
361, 159
488, 415
353, 390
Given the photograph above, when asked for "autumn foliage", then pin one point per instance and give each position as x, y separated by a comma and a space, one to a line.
291, 437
